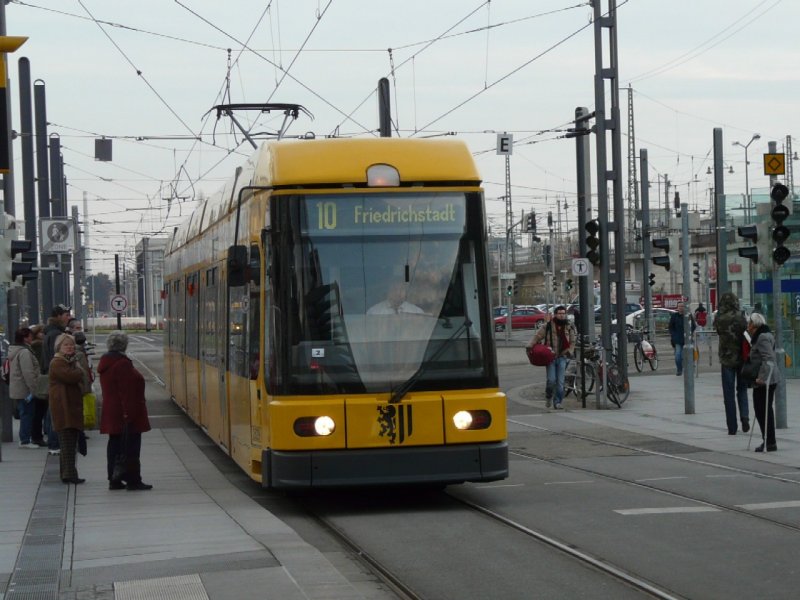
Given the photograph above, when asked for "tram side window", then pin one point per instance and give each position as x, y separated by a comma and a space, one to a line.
192, 304
209, 317
244, 318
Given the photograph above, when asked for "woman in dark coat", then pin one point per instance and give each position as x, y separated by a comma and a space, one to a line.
66, 404
123, 404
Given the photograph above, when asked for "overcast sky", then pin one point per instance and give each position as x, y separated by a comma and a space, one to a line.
693, 65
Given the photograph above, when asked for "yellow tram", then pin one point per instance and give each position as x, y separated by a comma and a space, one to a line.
329, 321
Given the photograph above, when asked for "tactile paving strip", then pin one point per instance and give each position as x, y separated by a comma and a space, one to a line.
183, 587
37, 571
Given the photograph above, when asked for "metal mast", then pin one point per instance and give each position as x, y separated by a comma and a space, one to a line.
633, 180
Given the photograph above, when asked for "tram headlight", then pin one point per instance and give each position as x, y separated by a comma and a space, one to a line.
472, 419
324, 426
313, 426
462, 419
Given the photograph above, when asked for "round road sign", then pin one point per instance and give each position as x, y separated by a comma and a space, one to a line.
119, 303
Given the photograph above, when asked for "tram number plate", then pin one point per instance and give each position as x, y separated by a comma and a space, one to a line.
318, 353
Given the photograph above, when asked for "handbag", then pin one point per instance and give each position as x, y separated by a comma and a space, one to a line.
540, 355
120, 468
749, 371
89, 410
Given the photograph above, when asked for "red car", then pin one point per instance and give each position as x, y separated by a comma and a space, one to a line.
521, 318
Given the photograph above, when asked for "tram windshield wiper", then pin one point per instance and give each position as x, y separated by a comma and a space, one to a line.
406, 386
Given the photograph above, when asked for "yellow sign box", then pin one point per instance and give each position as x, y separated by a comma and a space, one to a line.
775, 164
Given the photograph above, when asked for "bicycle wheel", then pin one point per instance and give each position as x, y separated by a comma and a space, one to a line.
589, 376
638, 357
570, 380
618, 385
653, 360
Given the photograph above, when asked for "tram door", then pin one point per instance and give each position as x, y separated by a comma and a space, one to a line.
243, 362
221, 338
214, 414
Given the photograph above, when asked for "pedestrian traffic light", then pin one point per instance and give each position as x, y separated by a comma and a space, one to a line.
555, 285
652, 278
780, 232
530, 222
516, 287
593, 241
568, 284
758, 234
509, 291
696, 272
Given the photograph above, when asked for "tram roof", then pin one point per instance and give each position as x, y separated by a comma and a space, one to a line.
345, 160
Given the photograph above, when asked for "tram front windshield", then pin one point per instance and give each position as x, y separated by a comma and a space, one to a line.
381, 289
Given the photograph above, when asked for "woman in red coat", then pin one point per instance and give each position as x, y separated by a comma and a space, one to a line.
123, 404
66, 404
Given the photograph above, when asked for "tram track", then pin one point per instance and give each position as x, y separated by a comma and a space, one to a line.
405, 592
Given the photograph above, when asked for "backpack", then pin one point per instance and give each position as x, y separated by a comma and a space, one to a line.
701, 317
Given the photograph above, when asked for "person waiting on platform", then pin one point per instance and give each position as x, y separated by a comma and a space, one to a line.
124, 415
66, 404
24, 373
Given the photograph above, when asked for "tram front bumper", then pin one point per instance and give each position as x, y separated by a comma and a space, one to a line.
385, 466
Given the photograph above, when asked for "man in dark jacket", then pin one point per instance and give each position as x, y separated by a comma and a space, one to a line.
56, 325
730, 325
676, 334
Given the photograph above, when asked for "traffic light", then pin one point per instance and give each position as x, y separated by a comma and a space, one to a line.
661, 261
696, 272
509, 291
670, 245
568, 284
516, 287
10, 246
758, 234
652, 278
530, 222
780, 232
593, 241
11, 269
555, 285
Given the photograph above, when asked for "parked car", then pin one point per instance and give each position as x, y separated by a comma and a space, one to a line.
521, 318
661, 315
630, 308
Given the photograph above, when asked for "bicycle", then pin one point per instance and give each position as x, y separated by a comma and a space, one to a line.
572, 374
618, 386
643, 350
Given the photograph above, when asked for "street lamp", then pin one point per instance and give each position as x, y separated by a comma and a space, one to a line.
755, 137
748, 201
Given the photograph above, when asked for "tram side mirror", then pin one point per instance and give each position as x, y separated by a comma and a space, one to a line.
237, 266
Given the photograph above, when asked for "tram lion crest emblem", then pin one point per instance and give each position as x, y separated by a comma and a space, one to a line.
395, 422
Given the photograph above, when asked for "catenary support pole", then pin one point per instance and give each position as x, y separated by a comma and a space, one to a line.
688, 346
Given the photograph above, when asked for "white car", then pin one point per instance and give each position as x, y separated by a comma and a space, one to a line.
662, 316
